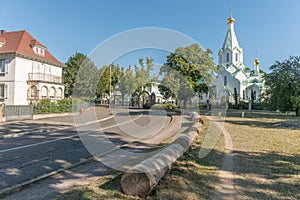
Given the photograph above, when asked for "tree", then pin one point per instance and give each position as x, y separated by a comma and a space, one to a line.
143, 78
235, 95
127, 83
283, 85
188, 71
84, 85
108, 79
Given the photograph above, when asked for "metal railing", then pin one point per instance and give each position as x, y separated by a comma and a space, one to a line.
44, 77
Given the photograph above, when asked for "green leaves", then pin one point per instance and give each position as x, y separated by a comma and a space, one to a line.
283, 85
78, 74
187, 71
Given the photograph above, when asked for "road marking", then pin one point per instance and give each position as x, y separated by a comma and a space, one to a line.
63, 138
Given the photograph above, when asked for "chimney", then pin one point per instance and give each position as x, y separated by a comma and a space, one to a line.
2, 32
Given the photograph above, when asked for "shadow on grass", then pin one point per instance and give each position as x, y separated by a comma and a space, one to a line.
267, 175
263, 124
78, 194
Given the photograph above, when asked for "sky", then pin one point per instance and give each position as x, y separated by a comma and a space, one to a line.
269, 27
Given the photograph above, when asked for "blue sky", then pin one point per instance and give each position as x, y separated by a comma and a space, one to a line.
270, 27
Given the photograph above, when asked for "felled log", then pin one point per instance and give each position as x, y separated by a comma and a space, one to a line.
196, 127
198, 119
141, 179
194, 115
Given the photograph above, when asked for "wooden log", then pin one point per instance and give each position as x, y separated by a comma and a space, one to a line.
196, 127
198, 119
141, 179
194, 115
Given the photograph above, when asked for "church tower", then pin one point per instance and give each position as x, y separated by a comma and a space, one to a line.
231, 53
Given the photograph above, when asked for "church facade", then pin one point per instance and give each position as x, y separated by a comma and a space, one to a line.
234, 82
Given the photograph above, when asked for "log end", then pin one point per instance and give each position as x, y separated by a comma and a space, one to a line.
136, 184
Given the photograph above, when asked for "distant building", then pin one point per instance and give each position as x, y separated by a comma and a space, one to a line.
234, 81
28, 71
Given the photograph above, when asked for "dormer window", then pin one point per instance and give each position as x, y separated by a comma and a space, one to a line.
39, 51
37, 48
2, 41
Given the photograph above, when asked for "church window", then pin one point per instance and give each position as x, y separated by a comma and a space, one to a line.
227, 57
244, 94
225, 80
237, 57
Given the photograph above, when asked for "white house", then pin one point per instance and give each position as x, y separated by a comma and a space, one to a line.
234, 81
28, 71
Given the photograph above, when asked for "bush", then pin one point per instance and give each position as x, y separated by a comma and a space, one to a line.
167, 107
45, 106
147, 105
158, 107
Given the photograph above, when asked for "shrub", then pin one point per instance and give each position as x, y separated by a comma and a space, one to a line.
158, 107
45, 106
167, 107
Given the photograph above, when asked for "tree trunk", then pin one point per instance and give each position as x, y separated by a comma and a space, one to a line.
142, 178
298, 111
184, 104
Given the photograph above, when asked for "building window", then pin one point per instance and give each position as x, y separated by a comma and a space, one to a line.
237, 57
44, 92
254, 95
36, 67
33, 92
225, 80
3, 91
227, 57
3, 66
59, 93
52, 93
244, 95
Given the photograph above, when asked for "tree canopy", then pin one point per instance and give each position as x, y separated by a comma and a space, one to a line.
70, 75
283, 85
187, 72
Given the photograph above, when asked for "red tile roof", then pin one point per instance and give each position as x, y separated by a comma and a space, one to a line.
21, 42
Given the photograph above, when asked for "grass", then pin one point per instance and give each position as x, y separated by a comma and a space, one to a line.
266, 158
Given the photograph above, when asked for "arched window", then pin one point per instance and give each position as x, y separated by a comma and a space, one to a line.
33, 92
44, 92
52, 93
59, 93
227, 57
225, 80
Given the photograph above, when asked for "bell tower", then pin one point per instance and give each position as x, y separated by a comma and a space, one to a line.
231, 53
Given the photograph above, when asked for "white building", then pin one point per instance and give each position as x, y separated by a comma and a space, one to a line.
28, 71
234, 81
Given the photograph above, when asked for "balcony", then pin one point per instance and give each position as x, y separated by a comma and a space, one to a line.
44, 77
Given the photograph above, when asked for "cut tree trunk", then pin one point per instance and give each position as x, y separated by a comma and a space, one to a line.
141, 179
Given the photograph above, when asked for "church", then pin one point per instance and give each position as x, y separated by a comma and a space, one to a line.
234, 82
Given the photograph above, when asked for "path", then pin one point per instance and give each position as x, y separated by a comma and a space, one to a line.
225, 187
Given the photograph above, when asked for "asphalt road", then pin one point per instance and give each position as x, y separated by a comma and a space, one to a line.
69, 140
